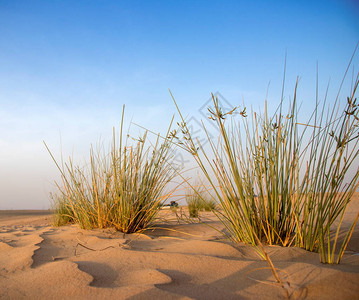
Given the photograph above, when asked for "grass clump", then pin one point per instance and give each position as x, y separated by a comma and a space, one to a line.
326, 189
62, 213
198, 200
285, 182
123, 189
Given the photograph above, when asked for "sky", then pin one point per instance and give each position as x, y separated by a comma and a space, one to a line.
68, 67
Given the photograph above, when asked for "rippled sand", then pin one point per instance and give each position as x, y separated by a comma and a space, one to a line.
174, 261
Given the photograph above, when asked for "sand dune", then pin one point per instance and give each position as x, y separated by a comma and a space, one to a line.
173, 261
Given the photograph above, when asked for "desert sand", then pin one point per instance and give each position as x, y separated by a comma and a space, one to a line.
175, 260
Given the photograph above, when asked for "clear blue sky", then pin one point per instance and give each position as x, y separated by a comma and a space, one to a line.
67, 67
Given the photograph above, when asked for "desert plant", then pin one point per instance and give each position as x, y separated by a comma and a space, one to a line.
123, 189
62, 212
262, 194
326, 188
193, 209
271, 172
225, 178
228, 177
198, 200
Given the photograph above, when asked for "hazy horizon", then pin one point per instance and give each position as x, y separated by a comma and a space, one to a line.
68, 67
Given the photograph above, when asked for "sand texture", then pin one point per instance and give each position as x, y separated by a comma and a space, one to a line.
177, 260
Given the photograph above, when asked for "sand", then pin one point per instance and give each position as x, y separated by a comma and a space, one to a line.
176, 260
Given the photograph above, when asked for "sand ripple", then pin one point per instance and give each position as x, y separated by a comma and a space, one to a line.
38, 261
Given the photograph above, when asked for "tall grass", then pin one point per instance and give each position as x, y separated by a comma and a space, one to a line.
123, 189
63, 214
228, 173
223, 170
198, 200
272, 171
286, 182
326, 189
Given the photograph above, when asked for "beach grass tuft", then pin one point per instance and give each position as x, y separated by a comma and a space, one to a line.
123, 189
279, 180
198, 200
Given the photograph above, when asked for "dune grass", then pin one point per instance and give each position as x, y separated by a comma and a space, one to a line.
63, 214
286, 182
198, 200
326, 189
123, 189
